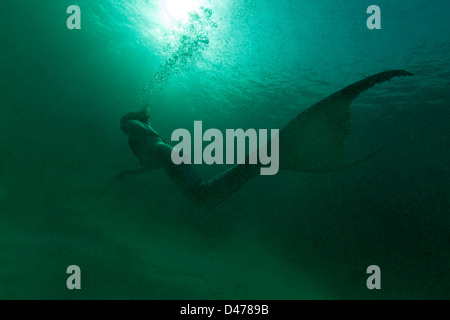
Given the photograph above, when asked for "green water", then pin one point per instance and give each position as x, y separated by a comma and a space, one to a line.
290, 236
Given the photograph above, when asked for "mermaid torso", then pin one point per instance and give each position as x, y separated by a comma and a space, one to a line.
146, 147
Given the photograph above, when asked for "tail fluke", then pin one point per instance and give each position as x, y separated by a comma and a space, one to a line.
357, 162
354, 90
314, 140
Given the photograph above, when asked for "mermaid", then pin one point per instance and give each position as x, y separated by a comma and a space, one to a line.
311, 142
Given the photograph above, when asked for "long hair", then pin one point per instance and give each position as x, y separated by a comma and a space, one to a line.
143, 115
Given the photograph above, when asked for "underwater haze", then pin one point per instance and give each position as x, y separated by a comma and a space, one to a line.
231, 64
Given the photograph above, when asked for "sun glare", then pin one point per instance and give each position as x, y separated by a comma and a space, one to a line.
174, 11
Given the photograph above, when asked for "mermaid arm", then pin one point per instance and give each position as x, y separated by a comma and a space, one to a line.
133, 127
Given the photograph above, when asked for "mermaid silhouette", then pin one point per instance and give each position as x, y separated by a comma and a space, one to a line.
312, 142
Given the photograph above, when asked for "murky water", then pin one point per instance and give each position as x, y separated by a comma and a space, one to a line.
243, 64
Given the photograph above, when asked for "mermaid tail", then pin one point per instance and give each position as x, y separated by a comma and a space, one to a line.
314, 140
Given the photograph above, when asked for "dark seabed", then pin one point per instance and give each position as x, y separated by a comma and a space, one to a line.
289, 236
